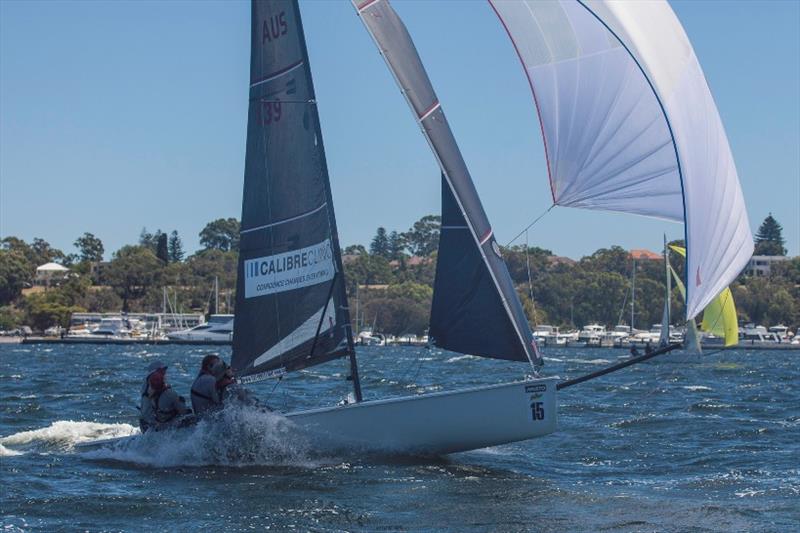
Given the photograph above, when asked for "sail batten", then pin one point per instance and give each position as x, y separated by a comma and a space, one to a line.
398, 50
291, 306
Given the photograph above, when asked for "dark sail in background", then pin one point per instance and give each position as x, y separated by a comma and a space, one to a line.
467, 315
502, 326
290, 293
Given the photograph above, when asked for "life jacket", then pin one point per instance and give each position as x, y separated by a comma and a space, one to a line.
195, 392
155, 381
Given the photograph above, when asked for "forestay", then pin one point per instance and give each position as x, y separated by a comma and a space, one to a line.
401, 57
629, 125
291, 307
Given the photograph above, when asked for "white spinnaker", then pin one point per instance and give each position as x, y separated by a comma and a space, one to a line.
630, 125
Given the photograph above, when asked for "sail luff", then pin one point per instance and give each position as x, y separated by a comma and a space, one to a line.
401, 57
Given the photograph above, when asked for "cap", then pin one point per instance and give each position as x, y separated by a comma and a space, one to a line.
156, 365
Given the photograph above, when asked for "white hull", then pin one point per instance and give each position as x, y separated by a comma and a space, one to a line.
437, 423
428, 424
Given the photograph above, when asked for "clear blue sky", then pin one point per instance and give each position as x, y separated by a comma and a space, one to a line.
119, 115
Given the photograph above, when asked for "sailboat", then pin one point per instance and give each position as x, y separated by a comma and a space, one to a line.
628, 152
719, 317
292, 310
633, 152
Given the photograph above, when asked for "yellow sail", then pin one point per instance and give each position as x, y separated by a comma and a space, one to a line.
719, 317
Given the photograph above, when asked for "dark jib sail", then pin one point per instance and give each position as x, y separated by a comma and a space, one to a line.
291, 306
467, 314
505, 330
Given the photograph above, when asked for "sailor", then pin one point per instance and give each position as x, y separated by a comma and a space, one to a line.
160, 405
634, 351
205, 393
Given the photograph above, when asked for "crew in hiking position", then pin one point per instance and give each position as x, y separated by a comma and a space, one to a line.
209, 386
160, 405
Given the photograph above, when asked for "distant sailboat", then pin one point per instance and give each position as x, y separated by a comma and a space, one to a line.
719, 317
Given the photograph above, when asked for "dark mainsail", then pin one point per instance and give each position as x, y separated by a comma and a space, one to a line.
291, 306
501, 327
467, 314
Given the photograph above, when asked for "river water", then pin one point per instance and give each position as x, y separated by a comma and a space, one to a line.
683, 444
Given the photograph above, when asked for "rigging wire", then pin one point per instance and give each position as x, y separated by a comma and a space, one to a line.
530, 281
277, 382
529, 226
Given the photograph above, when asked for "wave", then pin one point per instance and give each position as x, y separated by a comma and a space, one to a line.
5, 452
588, 361
698, 388
459, 358
236, 436
62, 435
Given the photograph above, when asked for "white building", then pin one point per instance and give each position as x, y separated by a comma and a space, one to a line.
760, 265
50, 274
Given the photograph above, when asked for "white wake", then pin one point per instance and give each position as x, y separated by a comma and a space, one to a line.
61, 436
236, 436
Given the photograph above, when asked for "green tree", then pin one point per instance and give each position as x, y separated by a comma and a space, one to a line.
367, 270
398, 316
782, 308
15, 274
44, 310
354, 249
176, 253
162, 248
10, 318
221, 234
396, 245
769, 238
102, 300
413, 291
132, 271
517, 262
90, 247
614, 259
150, 240
380, 244
423, 237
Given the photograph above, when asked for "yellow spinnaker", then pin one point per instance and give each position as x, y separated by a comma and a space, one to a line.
719, 317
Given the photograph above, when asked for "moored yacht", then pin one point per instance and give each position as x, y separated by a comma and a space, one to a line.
592, 334
219, 328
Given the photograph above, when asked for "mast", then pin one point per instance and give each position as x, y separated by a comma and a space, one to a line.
216, 294
665, 318
633, 293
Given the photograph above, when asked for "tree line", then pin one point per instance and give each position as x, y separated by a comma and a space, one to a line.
390, 282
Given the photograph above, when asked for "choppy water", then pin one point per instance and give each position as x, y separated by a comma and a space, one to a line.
712, 445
